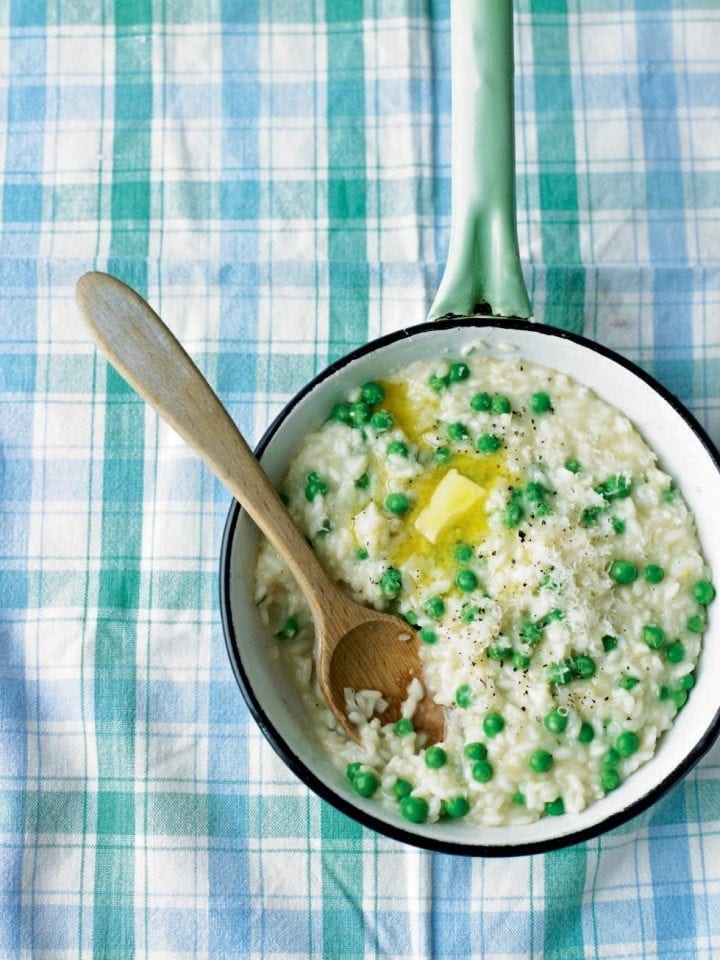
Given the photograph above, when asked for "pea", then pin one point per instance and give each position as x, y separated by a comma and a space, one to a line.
611, 758
481, 402
623, 571
583, 667
540, 761
627, 743
520, 661
554, 721
653, 636
361, 553
410, 617
481, 771
456, 807
536, 491
315, 486
391, 582
531, 632
464, 695
498, 651
363, 481
488, 443
466, 581
372, 393
403, 726
704, 592
609, 643
589, 517
288, 630
457, 431
475, 751
675, 652
543, 509
359, 413
493, 724
427, 635
679, 698
414, 809
559, 673
609, 779
459, 372
615, 488
669, 494
696, 623
434, 607
540, 402
438, 384
519, 798
573, 465
442, 455
341, 413
555, 808
514, 514
397, 503
402, 788
500, 404
627, 682
587, 733
664, 694
435, 757
381, 421
463, 552
365, 784
469, 612
687, 682
352, 770
397, 449
618, 525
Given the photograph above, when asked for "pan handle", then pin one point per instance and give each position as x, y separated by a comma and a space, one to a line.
483, 265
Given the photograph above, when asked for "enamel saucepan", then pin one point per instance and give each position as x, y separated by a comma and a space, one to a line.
482, 276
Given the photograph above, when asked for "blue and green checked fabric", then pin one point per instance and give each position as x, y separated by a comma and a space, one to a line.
274, 176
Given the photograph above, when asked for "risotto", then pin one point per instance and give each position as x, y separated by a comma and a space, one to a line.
552, 570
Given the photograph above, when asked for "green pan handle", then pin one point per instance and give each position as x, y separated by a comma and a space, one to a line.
483, 271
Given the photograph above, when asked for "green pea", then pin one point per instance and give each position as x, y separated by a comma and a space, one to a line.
481, 771
457, 431
622, 571
654, 573
397, 503
653, 636
531, 632
481, 402
519, 798
627, 682
382, 421
359, 413
458, 372
540, 402
500, 404
456, 807
352, 770
372, 393
475, 751
675, 652
555, 808
442, 455
559, 673
414, 809
341, 413
397, 449
498, 651
469, 612
555, 721
540, 761
609, 779
664, 693
611, 758
288, 630
315, 486
493, 724
618, 525
402, 788
363, 481
696, 623
427, 635
410, 617
587, 733
438, 384
669, 494
589, 517
361, 553
615, 488
573, 465
520, 661
365, 784
435, 757
609, 643
463, 552
583, 667
466, 581
536, 491
391, 582
514, 514
627, 743
403, 726
434, 607
488, 443
704, 592
464, 695
687, 682
679, 698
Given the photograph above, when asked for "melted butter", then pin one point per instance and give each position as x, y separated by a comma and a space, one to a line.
413, 418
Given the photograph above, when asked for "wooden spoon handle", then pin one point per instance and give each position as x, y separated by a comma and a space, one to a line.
142, 349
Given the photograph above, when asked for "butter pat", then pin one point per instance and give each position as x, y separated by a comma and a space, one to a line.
451, 498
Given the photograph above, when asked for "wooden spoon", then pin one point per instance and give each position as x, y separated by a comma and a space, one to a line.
355, 647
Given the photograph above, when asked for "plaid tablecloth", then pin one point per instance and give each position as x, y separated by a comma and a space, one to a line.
274, 176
